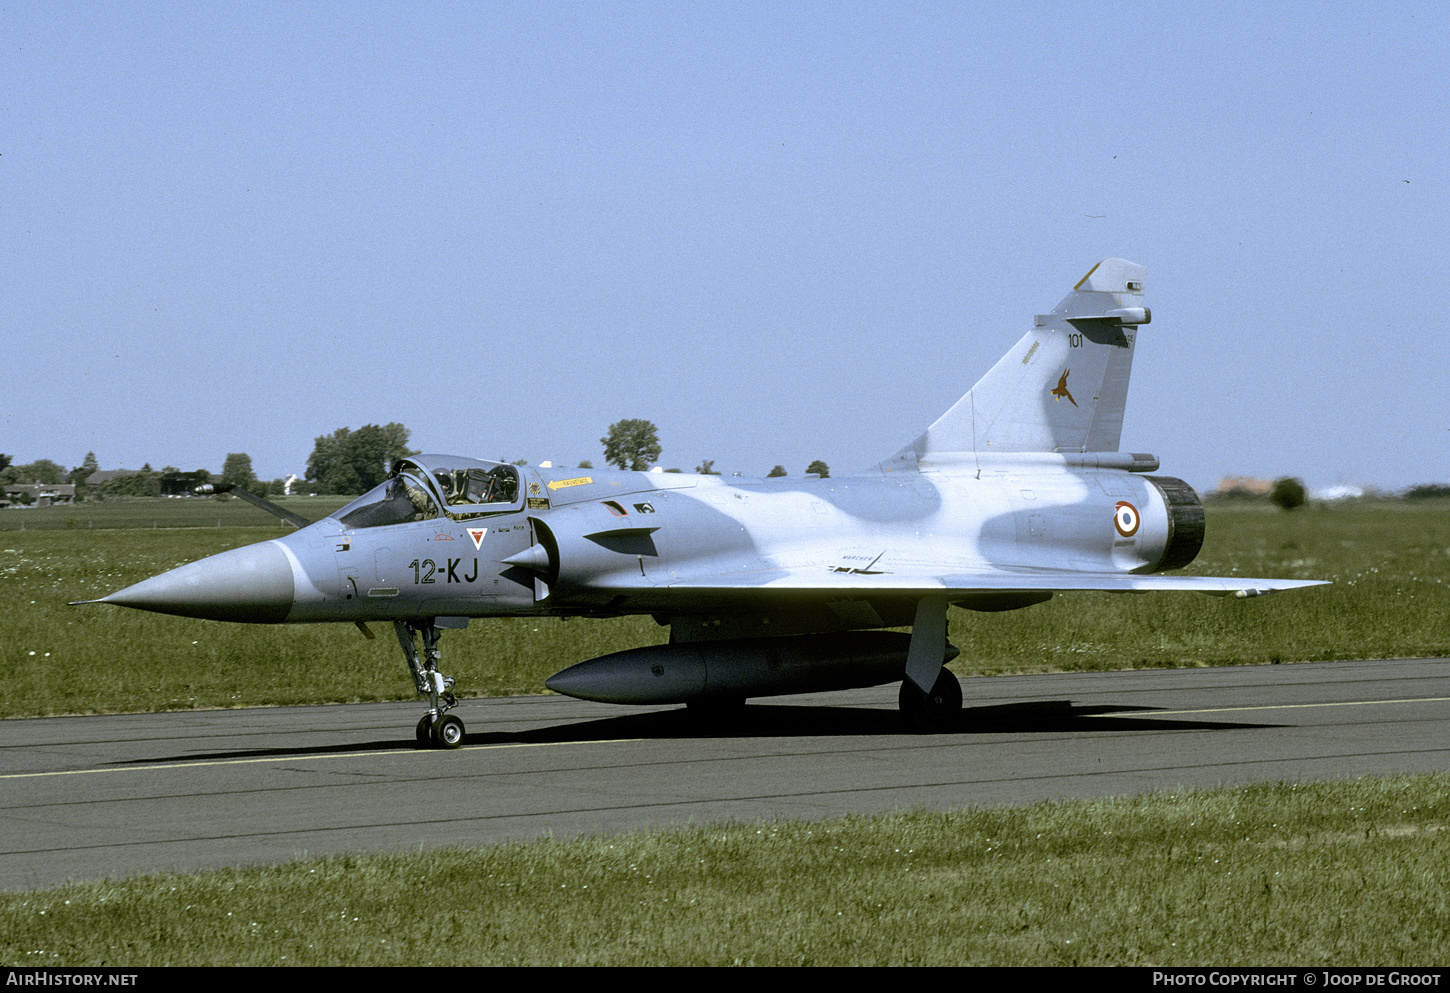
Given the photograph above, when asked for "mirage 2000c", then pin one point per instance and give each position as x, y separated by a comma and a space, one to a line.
769, 586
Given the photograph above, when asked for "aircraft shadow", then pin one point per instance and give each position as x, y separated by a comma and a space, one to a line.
786, 721
775, 721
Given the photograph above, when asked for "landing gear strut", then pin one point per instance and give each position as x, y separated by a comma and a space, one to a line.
939, 708
438, 728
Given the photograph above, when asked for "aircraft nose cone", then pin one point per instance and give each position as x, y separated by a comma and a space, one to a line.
253, 583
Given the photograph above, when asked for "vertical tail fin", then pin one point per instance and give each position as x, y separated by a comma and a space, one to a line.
1062, 388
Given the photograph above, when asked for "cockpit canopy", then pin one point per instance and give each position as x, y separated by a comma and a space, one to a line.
424, 486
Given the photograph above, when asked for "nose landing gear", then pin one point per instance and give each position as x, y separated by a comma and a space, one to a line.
438, 728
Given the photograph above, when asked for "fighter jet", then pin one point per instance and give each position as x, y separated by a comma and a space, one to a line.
768, 586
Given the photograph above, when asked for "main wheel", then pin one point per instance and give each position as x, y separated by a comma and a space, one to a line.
939, 710
425, 730
448, 732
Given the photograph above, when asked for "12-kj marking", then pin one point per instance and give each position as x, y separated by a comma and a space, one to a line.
424, 571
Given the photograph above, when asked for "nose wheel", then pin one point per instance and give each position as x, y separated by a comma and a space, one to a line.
438, 728
444, 732
448, 732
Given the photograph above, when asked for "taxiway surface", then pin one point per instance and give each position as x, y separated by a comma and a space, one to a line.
91, 797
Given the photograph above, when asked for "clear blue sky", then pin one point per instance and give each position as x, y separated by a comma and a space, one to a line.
781, 232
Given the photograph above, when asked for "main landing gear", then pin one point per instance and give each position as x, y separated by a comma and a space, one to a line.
939, 710
438, 728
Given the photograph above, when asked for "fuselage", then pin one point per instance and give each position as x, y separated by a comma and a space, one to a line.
456, 537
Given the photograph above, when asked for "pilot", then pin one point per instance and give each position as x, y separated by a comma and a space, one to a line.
445, 484
418, 497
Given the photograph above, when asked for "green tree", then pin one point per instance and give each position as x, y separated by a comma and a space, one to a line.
706, 468
82, 472
39, 471
631, 444
173, 482
145, 483
777, 472
237, 471
1288, 493
351, 462
819, 468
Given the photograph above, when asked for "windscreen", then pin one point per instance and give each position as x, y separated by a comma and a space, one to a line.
397, 501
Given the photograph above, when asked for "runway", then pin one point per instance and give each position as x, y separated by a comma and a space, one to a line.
93, 797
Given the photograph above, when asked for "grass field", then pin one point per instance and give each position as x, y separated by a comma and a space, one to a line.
1318, 874
1389, 561
143, 512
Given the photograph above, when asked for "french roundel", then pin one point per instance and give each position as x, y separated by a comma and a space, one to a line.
1125, 519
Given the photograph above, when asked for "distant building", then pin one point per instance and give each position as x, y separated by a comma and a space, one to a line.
1244, 486
39, 494
103, 475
